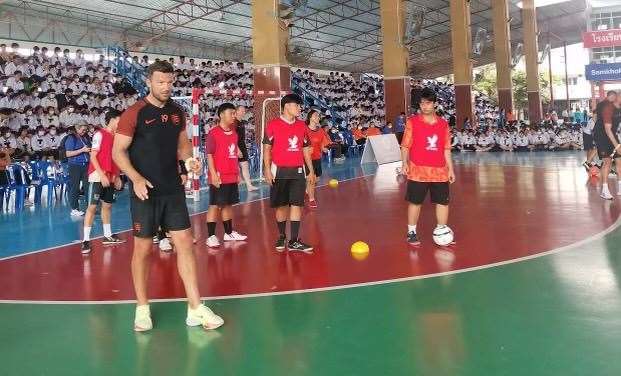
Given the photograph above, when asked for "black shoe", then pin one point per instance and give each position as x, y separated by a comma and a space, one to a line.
412, 238
298, 246
280, 243
587, 166
114, 239
86, 247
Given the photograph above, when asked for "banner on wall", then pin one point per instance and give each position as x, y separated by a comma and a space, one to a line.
601, 38
603, 72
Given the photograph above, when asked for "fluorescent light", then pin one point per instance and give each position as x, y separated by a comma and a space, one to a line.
543, 3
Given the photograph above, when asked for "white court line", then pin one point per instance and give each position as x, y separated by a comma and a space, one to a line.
129, 229
568, 247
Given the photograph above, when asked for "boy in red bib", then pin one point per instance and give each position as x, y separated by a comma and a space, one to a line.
103, 180
426, 154
286, 153
222, 152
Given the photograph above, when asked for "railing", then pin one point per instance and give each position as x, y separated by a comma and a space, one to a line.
306, 94
123, 65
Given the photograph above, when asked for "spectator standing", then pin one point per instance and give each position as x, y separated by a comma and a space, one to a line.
78, 147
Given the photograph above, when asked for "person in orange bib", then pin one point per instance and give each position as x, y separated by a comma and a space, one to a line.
426, 154
372, 131
319, 141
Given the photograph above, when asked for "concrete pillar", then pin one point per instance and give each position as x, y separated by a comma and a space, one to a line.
395, 59
461, 46
531, 52
271, 73
502, 51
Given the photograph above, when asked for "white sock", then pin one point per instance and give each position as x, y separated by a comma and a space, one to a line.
412, 228
440, 226
87, 233
107, 230
605, 189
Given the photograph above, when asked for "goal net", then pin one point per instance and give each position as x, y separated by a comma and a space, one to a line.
201, 108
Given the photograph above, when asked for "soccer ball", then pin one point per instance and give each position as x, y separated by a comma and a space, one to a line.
443, 236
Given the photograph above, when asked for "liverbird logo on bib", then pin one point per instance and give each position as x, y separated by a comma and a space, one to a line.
432, 143
293, 144
232, 151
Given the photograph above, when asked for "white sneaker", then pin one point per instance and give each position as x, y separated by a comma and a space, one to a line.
165, 245
203, 316
606, 196
213, 242
143, 322
76, 213
233, 236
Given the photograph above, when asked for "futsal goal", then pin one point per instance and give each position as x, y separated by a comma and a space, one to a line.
200, 109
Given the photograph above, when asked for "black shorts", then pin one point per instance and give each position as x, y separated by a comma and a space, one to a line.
417, 192
287, 192
316, 167
587, 142
604, 146
97, 192
227, 194
169, 212
244, 152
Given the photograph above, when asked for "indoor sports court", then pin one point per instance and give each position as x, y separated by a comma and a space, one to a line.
505, 113
529, 286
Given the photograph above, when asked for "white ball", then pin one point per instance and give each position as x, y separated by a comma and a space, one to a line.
443, 236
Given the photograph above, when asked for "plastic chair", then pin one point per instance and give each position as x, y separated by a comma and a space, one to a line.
18, 184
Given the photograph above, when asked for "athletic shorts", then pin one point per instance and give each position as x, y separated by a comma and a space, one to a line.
587, 142
287, 192
227, 194
316, 167
604, 146
169, 212
417, 192
244, 152
97, 192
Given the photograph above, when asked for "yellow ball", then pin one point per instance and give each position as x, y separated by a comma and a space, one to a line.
359, 248
360, 256
333, 183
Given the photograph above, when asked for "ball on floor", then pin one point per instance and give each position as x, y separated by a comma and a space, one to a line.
360, 248
333, 183
443, 236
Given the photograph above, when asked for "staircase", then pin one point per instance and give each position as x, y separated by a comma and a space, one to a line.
134, 73
309, 97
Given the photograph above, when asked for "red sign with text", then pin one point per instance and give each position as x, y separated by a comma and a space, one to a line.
602, 38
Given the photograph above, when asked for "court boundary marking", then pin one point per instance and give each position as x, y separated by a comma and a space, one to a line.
468, 164
191, 216
598, 236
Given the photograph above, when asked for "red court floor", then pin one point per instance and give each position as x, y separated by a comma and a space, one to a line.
498, 213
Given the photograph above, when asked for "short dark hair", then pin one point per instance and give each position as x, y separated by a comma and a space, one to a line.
112, 114
290, 98
160, 66
429, 95
609, 93
225, 106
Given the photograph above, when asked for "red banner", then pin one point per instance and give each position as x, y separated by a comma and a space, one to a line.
602, 38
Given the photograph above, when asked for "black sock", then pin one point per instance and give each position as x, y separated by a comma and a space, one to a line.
228, 226
161, 235
295, 230
282, 227
211, 228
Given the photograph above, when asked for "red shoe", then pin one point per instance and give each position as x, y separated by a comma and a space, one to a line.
312, 204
